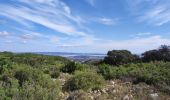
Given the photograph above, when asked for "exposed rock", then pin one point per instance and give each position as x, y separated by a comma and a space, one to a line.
127, 83
91, 97
95, 91
54, 79
62, 81
126, 97
153, 96
114, 91
112, 82
79, 95
131, 96
103, 91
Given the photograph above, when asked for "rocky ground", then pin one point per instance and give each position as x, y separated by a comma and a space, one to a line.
113, 90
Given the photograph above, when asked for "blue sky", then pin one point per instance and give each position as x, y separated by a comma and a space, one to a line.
83, 25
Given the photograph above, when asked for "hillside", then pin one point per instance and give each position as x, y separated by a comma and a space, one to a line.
41, 77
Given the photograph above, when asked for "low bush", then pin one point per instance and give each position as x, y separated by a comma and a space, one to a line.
22, 81
154, 73
84, 81
55, 74
72, 67
106, 71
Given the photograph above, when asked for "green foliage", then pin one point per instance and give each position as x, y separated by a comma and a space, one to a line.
35, 60
85, 81
119, 57
5, 64
22, 78
161, 54
55, 74
106, 71
72, 67
30, 76
155, 73
22, 75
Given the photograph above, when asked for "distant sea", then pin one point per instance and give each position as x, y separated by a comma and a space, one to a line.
66, 54
75, 56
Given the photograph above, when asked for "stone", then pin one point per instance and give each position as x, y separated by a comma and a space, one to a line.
131, 96
126, 97
95, 91
104, 90
114, 91
112, 82
91, 97
54, 79
153, 96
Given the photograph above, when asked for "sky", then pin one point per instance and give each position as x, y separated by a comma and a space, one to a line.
83, 26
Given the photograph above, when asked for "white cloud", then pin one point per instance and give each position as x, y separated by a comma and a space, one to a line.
91, 2
103, 20
49, 2
136, 45
139, 35
56, 18
154, 12
159, 15
107, 21
67, 9
68, 46
143, 34
27, 36
4, 34
55, 39
8, 41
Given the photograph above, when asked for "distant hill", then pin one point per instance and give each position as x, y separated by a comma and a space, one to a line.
81, 57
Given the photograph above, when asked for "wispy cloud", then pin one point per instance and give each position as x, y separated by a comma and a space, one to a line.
2, 21
56, 17
136, 45
8, 41
141, 35
107, 21
91, 2
154, 12
27, 36
159, 15
4, 34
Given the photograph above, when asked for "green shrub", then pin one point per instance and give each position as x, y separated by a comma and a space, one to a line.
119, 57
79, 95
69, 68
37, 92
5, 65
154, 73
106, 71
23, 82
161, 54
55, 74
84, 81
72, 67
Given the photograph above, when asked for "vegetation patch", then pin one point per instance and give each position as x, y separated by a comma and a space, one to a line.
85, 81
73, 66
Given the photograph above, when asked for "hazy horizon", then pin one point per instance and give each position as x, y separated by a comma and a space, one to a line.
84, 26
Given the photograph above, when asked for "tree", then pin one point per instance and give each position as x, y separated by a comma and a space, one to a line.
165, 52
118, 57
161, 54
